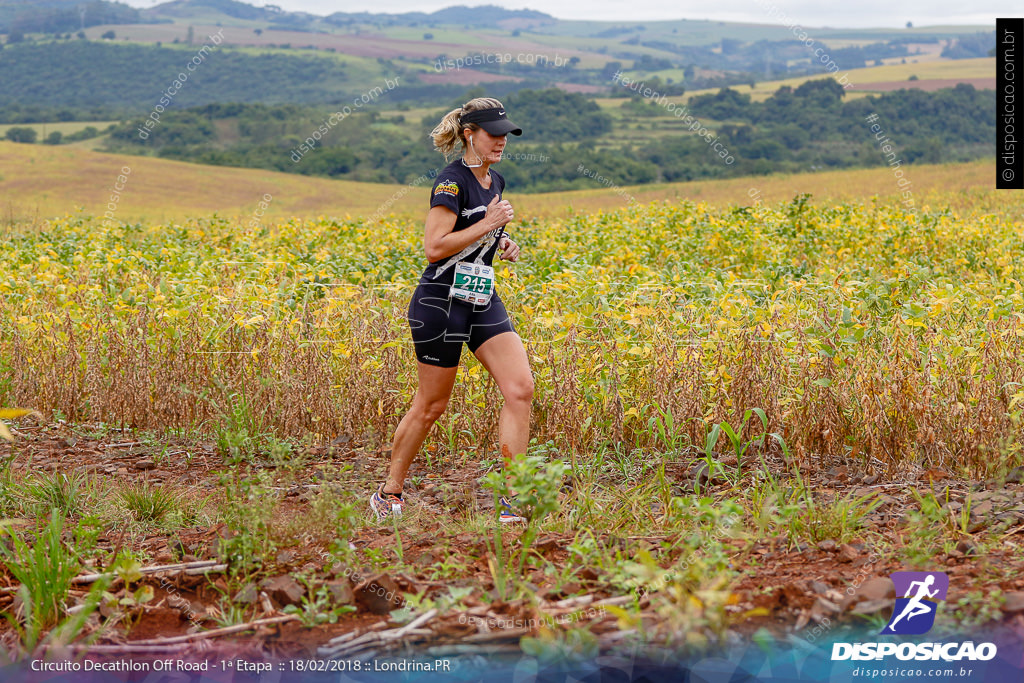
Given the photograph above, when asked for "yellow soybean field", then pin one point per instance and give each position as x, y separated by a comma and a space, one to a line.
861, 331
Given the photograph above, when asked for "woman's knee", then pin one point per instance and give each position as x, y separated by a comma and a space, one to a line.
432, 409
519, 390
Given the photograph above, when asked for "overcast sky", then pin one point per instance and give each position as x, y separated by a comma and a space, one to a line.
867, 13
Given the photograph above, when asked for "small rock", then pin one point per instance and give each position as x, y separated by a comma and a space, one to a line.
828, 546
977, 525
378, 595
1014, 602
284, 589
875, 588
340, 592
982, 508
698, 475
870, 479
967, 547
1015, 476
247, 595
546, 544
823, 607
144, 464
847, 553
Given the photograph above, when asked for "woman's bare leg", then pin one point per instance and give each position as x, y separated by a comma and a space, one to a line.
432, 395
504, 356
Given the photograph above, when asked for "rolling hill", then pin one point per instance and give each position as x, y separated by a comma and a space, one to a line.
513, 49
39, 182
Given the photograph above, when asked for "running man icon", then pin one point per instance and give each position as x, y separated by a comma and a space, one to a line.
914, 613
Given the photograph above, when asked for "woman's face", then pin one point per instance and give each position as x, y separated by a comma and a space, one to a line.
488, 147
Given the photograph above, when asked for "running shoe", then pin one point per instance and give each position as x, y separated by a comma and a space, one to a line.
507, 513
385, 505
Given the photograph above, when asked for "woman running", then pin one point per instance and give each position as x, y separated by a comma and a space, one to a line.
456, 300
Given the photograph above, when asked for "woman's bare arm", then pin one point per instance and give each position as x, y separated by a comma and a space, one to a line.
440, 239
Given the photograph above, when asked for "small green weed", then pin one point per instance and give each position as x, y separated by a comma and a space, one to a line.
537, 482
248, 510
241, 433
44, 568
68, 494
149, 504
317, 607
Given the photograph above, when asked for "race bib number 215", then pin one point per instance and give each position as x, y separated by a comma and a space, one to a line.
474, 283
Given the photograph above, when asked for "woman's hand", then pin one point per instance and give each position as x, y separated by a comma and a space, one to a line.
499, 213
509, 250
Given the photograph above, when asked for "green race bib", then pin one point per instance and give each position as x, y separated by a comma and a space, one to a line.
474, 283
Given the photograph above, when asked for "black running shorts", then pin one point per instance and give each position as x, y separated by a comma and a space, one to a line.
440, 325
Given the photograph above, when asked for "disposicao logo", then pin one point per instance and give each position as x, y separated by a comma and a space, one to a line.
914, 614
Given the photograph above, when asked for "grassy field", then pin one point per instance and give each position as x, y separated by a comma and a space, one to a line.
967, 70
162, 191
594, 43
59, 180
720, 391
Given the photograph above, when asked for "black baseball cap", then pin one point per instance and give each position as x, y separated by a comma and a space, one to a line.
492, 120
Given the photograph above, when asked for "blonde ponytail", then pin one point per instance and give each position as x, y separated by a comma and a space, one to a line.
449, 132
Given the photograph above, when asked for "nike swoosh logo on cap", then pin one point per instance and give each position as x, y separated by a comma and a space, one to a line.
501, 113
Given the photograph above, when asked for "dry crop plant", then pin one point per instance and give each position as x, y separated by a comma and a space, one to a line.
860, 331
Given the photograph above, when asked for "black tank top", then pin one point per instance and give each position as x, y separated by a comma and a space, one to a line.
458, 189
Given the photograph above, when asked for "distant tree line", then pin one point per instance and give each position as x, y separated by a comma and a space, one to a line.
763, 59
971, 47
90, 74
796, 130
64, 17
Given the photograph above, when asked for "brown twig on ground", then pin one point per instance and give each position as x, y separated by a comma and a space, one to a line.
186, 567
347, 644
217, 632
